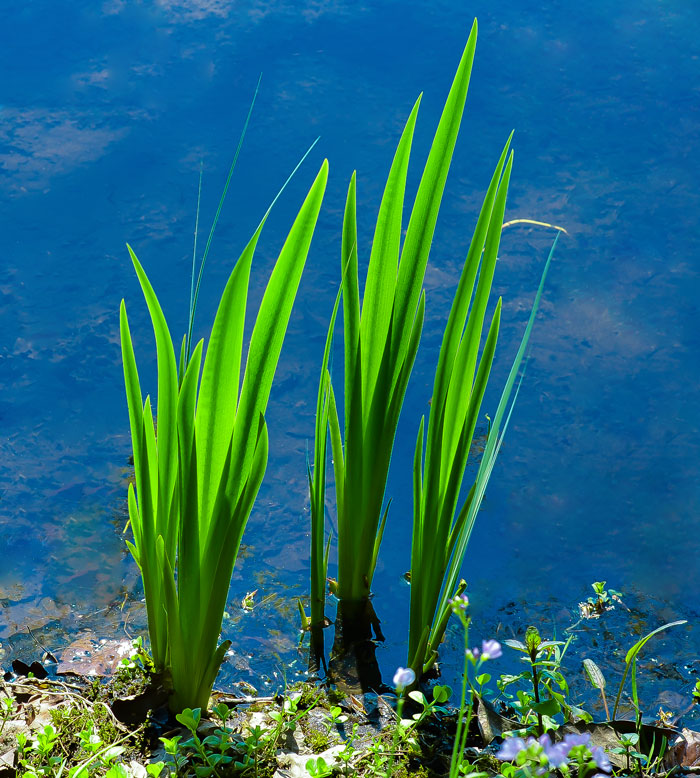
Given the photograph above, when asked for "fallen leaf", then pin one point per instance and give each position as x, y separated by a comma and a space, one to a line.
685, 752
491, 723
89, 656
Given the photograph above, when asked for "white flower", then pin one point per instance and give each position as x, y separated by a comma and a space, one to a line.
403, 677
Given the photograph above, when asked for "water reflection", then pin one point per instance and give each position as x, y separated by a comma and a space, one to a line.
184, 11
39, 144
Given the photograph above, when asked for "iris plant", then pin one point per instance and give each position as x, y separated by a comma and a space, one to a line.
380, 342
197, 477
441, 528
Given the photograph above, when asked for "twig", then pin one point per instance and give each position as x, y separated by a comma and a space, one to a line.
39, 643
35, 682
244, 700
77, 696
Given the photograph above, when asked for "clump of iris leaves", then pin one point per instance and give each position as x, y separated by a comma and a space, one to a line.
198, 472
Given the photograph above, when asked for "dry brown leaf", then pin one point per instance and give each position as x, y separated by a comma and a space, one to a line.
685, 752
89, 656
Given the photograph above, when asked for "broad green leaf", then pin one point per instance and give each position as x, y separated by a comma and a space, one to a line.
271, 322
336, 449
351, 298
631, 656
218, 394
317, 482
594, 674
421, 225
220, 554
378, 302
547, 708
463, 296
167, 399
188, 579
133, 396
465, 361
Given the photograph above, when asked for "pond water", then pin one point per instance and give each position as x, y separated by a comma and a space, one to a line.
107, 111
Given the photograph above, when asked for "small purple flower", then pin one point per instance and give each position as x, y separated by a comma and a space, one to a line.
459, 602
490, 649
557, 754
572, 740
600, 758
510, 748
403, 677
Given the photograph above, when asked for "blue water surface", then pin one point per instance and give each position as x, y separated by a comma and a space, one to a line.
107, 111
